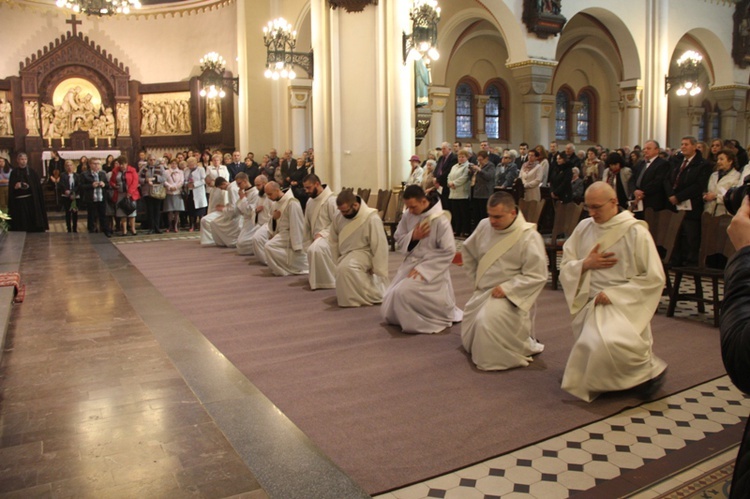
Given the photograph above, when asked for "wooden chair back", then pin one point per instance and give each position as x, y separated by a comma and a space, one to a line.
664, 226
394, 208
567, 216
381, 204
531, 210
364, 194
714, 238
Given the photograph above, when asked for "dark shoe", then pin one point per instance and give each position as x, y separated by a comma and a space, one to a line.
648, 389
157, 231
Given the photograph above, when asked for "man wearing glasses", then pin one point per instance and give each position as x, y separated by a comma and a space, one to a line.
613, 278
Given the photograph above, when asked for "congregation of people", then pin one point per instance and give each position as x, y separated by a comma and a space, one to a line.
282, 214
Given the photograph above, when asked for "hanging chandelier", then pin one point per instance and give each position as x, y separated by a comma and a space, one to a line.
99, 8
422, 42
280, 41
687, 78
212, 77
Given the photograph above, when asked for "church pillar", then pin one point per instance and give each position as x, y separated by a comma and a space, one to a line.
731, 100
615, 124
363, 102
299, 97
694, 115
438, 100
547, 123
575, 108
632, 100
481, 102
533, 78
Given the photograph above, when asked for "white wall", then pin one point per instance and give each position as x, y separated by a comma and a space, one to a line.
156, 50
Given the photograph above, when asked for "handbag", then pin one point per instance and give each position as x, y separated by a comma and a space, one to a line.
158, 191
126, 204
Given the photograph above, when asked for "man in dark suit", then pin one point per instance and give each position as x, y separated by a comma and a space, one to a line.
288, 165
684, 187
94, 185
647, 181
442, 169
523, 154
236, 166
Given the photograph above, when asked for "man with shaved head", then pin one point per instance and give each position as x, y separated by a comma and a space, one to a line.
284, 251
613, 278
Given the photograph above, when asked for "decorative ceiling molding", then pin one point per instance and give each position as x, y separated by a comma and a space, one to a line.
181, 9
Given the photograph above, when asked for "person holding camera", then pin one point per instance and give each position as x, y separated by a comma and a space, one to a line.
25, 198
734, 325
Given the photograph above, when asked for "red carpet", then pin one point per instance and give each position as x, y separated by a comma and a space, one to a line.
390, 408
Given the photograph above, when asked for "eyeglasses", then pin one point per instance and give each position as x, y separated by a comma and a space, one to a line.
590, 207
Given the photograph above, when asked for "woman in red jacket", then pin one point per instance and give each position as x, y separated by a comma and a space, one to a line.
124, 182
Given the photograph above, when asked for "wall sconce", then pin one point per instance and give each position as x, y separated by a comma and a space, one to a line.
422, 42
280, 41
688, 66
212, 77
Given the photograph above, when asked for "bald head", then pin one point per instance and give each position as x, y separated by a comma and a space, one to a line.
601, 201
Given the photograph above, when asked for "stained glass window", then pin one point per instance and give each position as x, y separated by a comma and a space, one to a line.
464, 100
492, 113
562, 104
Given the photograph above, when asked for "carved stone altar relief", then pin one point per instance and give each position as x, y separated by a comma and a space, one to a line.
123, 119
6, 115
31, 112
213, 115
166, 114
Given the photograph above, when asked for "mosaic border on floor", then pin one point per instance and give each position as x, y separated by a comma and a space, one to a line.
593, 454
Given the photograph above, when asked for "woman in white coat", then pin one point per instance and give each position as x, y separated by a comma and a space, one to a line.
460, 187
531, 176
195, 186
725, 177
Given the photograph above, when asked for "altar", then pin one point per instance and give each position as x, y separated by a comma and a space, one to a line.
76, 155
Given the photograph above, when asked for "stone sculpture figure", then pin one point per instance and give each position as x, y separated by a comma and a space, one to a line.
6, 123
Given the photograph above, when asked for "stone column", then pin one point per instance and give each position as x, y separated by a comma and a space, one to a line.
481, 102
615, 124
731, 100
438, 100
533, 78
694, 116
632, 98
547, 124
299, 97
575, 108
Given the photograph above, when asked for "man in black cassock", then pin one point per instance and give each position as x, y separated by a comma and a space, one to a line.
25, 198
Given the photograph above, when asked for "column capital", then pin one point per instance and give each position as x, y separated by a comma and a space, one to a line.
548, 105
533, 76
438, 97
481, 100
632, 97
730, 97
695, 114
299, 96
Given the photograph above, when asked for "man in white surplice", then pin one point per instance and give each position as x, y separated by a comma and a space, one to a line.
226, 229
506, 261
420, 298
319, 213
360, 250
256, 210
218, 199
284, 250
613, 278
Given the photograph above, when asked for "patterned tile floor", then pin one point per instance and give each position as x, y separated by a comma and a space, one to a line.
590, 455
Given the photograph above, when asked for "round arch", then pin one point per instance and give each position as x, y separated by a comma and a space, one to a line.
716, 58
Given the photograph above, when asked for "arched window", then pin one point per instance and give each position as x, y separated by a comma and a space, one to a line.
562, 105
464, 111
716, 123
492, 113
586, 116
496, 122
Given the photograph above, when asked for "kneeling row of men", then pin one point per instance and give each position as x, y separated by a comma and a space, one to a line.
611, 272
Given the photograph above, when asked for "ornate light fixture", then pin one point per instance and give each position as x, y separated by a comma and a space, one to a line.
687, 78
422, 42
280, 40
99, 7
212, 77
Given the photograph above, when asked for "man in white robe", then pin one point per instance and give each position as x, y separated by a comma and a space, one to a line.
256, 210
360, 249
319, 213
218, 198
284, 250
420, 298
613, 279
226, 229
506, 261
